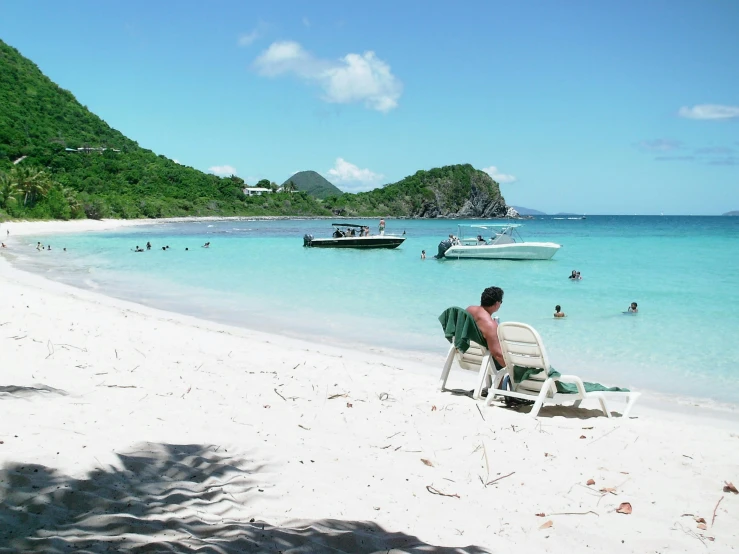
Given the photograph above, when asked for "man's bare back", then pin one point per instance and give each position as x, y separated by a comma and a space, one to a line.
490, 301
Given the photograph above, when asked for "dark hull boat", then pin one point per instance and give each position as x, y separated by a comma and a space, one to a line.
378, 241
341, 240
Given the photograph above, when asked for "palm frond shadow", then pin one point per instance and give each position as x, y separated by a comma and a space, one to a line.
22, 391
169, 498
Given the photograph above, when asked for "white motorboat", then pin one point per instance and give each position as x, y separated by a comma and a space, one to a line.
505, 243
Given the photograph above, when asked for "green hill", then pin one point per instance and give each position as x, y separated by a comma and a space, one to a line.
449, 191
59, 161
93, 170
314, 184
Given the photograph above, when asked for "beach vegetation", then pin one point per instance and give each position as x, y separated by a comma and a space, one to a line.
58, 160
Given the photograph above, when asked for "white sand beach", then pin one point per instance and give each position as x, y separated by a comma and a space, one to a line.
125, 428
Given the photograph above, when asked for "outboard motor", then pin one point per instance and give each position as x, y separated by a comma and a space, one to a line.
444, 245
307, 239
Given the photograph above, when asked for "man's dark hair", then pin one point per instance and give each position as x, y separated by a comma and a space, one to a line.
490, 296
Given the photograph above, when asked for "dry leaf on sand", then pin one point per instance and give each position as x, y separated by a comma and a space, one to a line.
427, 462
699, 519
624, 508
612, 490
702, 526
583, 437
590, 482
433, 408
729, 487
547, 524
541, 514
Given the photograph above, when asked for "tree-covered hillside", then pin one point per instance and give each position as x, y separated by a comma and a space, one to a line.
81, 166
314, 184
449, 191
59, 161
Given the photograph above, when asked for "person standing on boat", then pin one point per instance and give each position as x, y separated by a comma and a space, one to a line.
382, 227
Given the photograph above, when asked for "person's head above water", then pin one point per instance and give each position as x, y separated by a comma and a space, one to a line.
558, 308
633, 305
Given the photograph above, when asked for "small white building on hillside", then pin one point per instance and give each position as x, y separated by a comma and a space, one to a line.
256, 191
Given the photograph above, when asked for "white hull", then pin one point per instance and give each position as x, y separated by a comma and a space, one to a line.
516, 251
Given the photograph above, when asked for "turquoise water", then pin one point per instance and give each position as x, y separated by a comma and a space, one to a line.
683, 272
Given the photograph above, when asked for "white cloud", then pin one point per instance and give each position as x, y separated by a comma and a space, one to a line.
498, 176
709, 111
353, 78
352, 177
246, 39
223, 170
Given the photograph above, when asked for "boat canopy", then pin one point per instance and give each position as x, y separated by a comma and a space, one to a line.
348, 225
493, 225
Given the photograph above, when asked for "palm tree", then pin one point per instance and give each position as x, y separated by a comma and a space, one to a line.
8, 190
31, 182
71, 197
290, 186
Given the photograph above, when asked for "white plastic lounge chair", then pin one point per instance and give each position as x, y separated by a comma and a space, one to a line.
531, 377
477, 358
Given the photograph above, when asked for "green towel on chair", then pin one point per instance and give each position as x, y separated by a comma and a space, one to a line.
523, 373
460, 328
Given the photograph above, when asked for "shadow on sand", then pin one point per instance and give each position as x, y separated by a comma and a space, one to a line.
169, 498
24, 392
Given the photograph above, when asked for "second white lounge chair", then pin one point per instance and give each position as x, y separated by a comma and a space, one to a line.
531, 377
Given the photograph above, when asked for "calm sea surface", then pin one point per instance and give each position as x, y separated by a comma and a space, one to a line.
682, 271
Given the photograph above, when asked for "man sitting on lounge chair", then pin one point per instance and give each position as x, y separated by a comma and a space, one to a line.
490, 301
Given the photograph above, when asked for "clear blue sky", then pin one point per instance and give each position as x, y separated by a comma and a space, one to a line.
612, 107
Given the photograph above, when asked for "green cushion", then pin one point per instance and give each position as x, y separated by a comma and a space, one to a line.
523, 373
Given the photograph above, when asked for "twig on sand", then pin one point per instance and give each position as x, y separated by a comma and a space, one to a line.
433, 490
714, 510
73, 346
690, 532
338, 395
574, 513
304, 427
140, 352
188, 390
604, 435
499, 478
18, 338
50, 346
1, 324
121, 386
278, 394
116, 353
479, 410
296, 366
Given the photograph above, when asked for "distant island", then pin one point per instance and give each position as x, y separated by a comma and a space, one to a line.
313, 183
527, 211
733, 213
58, 160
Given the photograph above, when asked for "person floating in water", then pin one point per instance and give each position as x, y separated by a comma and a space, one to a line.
138, 249
3, 245
423, 254
206, 245
633, 309
574, 274
148, 245
558, 311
